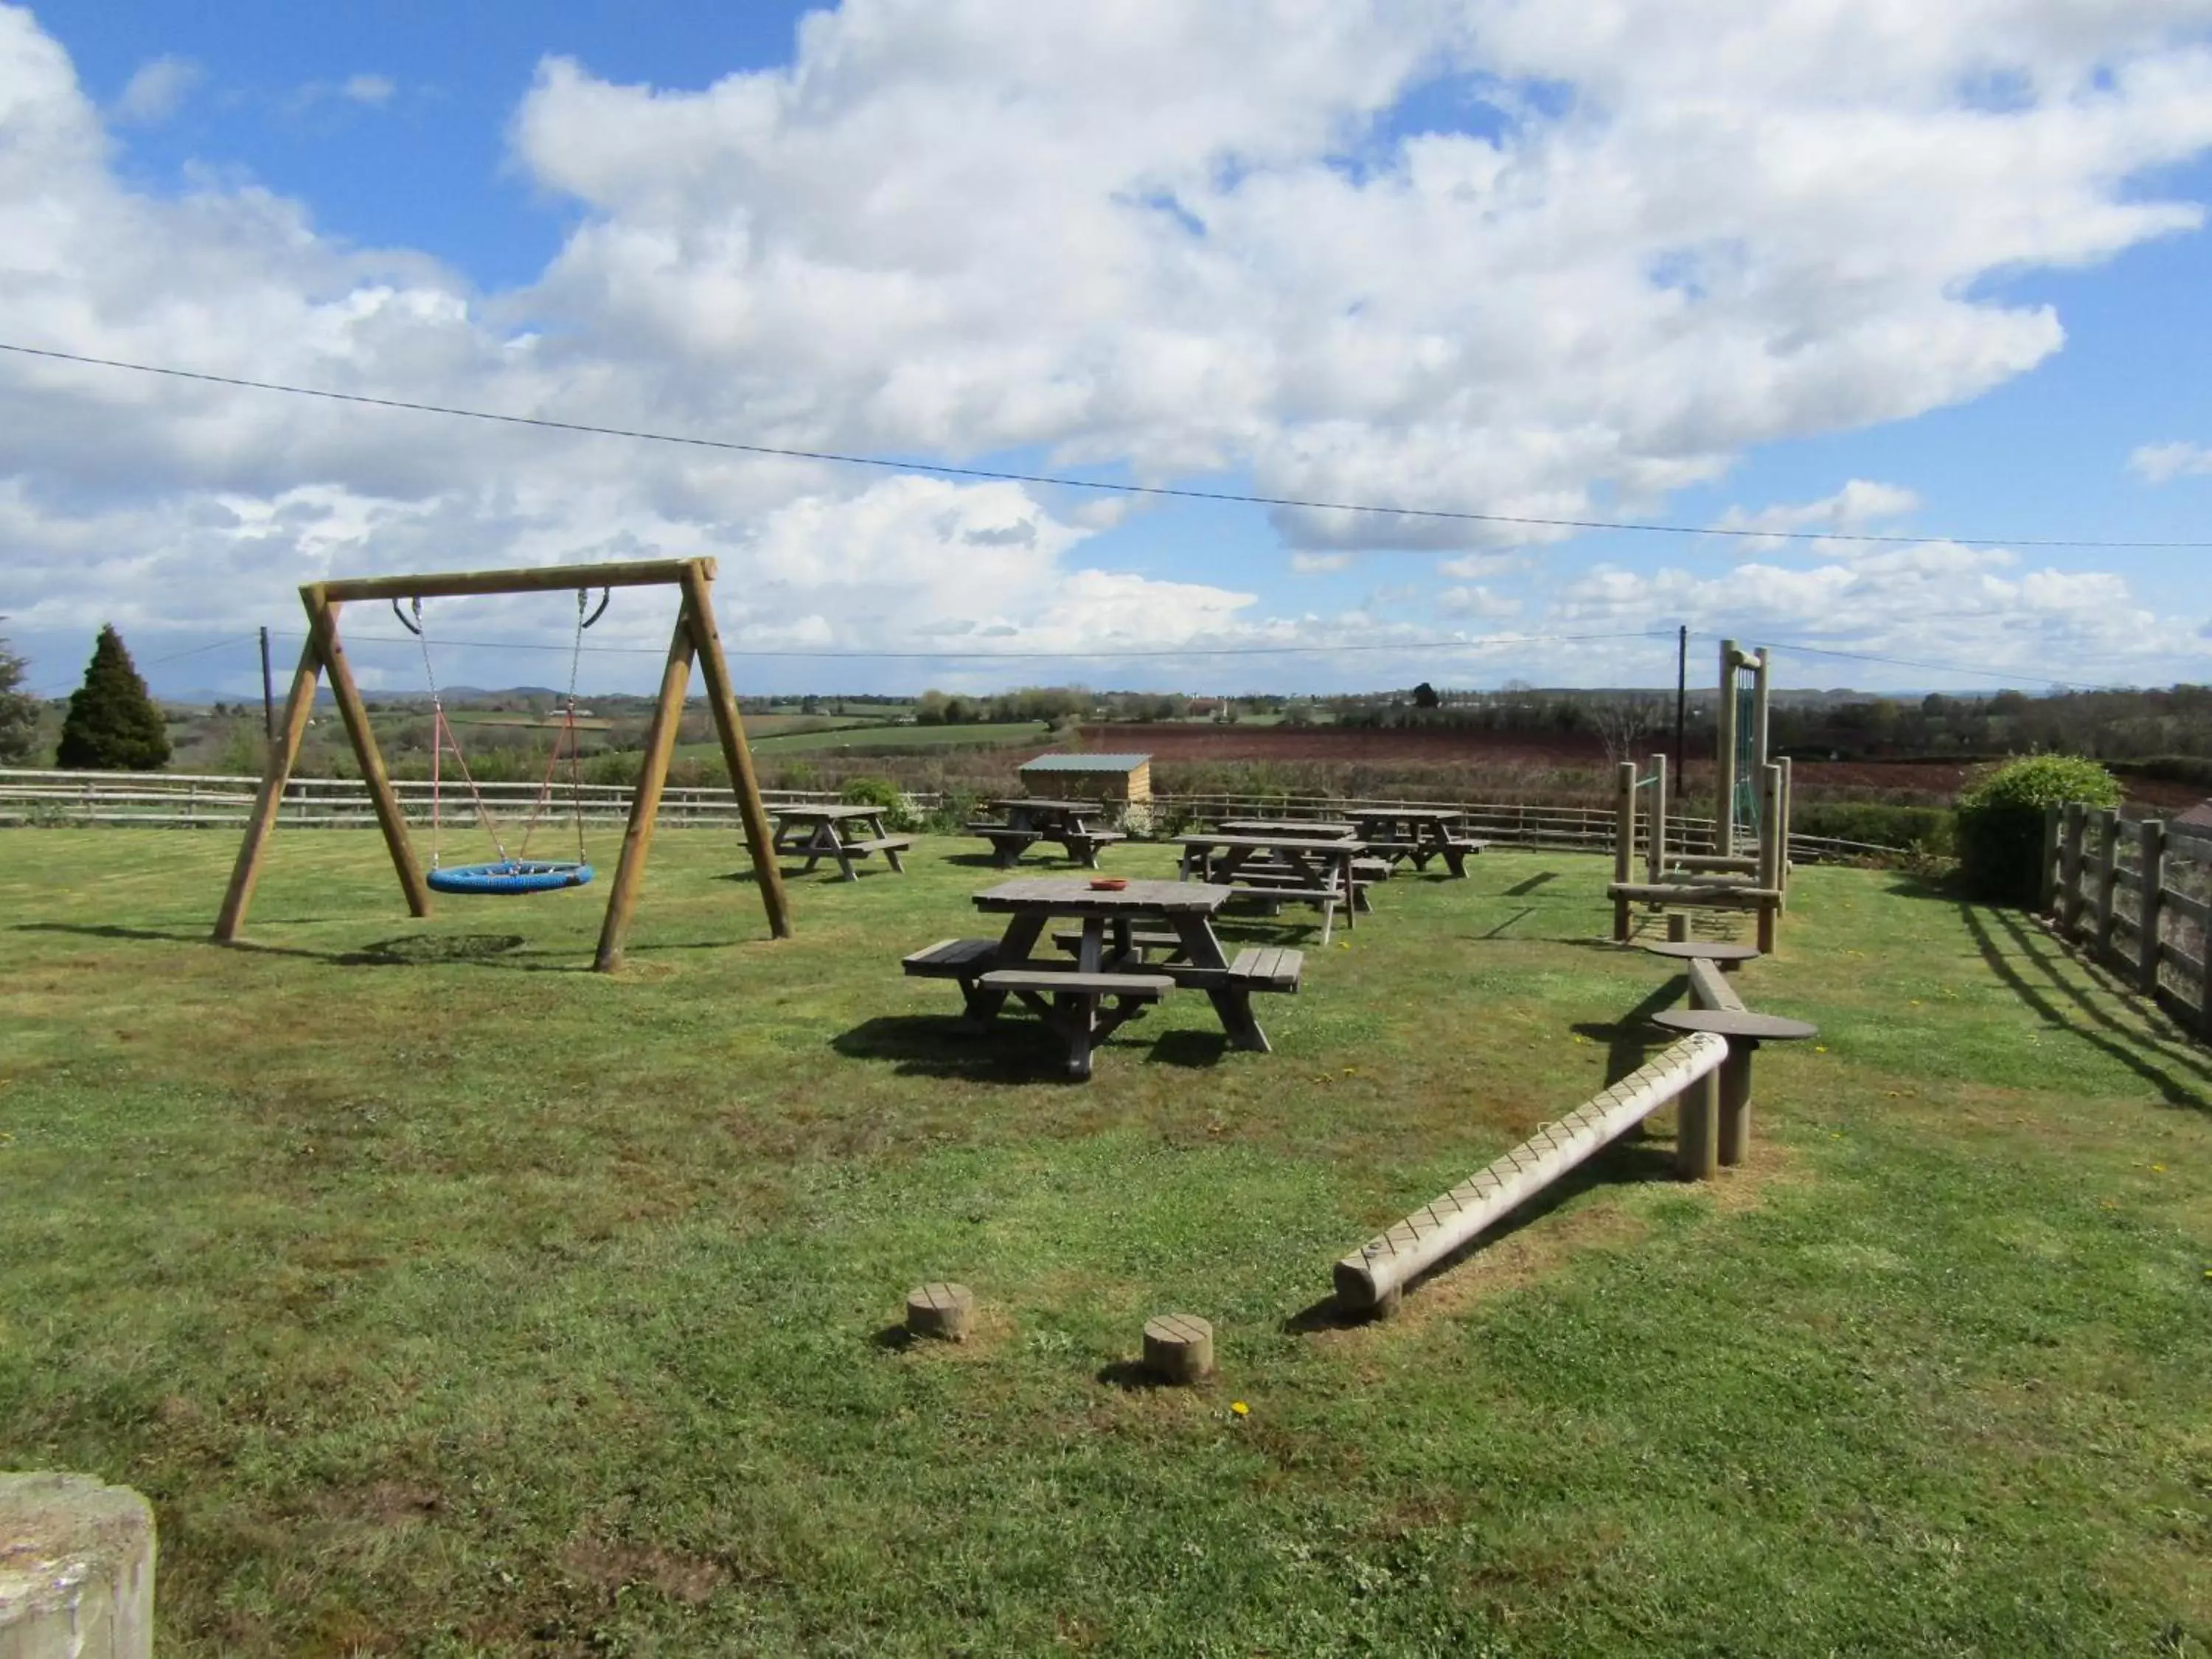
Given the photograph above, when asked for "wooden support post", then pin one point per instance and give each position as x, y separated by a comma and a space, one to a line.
2070, 870
2151, 908
298, 704
1658, 835
1724, 753
645, 804
1760, 724
1623, 842
1179, 1347
1789, 799
2046, 889
2108, 879
1735, 1102
941, 1308
322, 620
1771, 856
729, 726
1678, 926
1697, 1114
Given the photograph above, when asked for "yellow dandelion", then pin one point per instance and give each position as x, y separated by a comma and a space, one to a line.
1819, 1049
1240, 1408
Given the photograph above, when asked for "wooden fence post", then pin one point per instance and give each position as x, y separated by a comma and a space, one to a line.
2108, 877
1658, 835
2046, 880
1623, 842
2150, 871
2070, 870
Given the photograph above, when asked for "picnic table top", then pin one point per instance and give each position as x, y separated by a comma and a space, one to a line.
1295, 843
1410, 815
1034, 803
1298, 826
828, 814
1068, 897
1736, 1023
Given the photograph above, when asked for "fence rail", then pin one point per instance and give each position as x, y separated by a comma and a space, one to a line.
179, 800
204, 800
2137, 897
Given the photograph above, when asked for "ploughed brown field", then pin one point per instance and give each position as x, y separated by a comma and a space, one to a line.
1194, 744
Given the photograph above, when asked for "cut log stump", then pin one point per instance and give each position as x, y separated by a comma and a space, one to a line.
1179, 1347
941, 1309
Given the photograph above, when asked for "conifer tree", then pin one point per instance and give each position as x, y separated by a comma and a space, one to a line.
18, 713
113, 725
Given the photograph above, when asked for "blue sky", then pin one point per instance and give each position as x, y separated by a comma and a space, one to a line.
1442, 255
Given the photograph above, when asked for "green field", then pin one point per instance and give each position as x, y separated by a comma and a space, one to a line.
448, 1299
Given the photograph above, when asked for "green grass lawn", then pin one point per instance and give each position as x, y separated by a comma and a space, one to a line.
446, 1298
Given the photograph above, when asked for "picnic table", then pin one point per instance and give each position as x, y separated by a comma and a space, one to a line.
843, 832
1109, 965
1418, 833
1365, 868
1077, 825
1315, 871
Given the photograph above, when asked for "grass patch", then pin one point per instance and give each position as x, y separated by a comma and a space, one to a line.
448, 1299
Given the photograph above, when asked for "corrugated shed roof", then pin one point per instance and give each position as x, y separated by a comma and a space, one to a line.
2198, 817
1085, 763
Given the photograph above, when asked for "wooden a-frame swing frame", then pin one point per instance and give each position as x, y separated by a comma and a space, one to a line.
694, 636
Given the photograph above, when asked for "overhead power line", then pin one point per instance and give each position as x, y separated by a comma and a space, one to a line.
1485, 640
994, 475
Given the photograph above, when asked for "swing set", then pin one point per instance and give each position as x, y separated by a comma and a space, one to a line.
516, 872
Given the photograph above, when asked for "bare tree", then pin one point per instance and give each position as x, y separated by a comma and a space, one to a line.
1622, 722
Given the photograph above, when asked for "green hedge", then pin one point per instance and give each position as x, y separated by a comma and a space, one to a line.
2001, 818
1924, 829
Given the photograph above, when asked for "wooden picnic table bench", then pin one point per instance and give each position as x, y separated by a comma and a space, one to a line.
1109, 965
830, 832
1418, 833
1277, 868
1030, 819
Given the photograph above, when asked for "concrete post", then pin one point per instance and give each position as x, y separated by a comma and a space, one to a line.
76, 1569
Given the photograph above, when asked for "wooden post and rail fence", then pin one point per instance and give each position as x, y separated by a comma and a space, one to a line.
2135, 897
207, 800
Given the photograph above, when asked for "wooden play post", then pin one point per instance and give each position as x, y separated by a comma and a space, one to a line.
695, 635
1697, 1126
1789, 799
1658, 837
1771, 856
1623, 842
2150, 872
1724, 752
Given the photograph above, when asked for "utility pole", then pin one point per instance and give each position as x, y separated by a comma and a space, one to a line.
268, 692
1682, 695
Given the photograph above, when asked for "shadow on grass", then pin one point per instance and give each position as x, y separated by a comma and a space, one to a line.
2050, 991
1631, 1040
1013, 1051
506, 951
1131, 1374
1625, 1163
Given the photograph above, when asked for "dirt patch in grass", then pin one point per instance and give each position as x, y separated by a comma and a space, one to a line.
613, 1566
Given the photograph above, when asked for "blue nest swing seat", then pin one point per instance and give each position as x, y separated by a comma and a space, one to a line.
511, 876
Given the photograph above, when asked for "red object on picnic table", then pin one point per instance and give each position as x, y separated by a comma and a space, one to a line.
1110, 883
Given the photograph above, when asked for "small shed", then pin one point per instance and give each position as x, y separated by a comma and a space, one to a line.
1124, 779
2197, 820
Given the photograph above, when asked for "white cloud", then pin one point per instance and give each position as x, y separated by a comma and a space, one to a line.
1320, 564
1858, 506
156, 90
2161, 463
1123, 238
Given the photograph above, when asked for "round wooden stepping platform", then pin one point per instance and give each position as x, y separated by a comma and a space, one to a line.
1704, 950
1179, 1347
941, 1308
1731, 1023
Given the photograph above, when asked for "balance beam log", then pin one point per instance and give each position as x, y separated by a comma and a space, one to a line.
1372, 1276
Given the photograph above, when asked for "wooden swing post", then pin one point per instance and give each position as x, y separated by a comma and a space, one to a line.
694, 635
